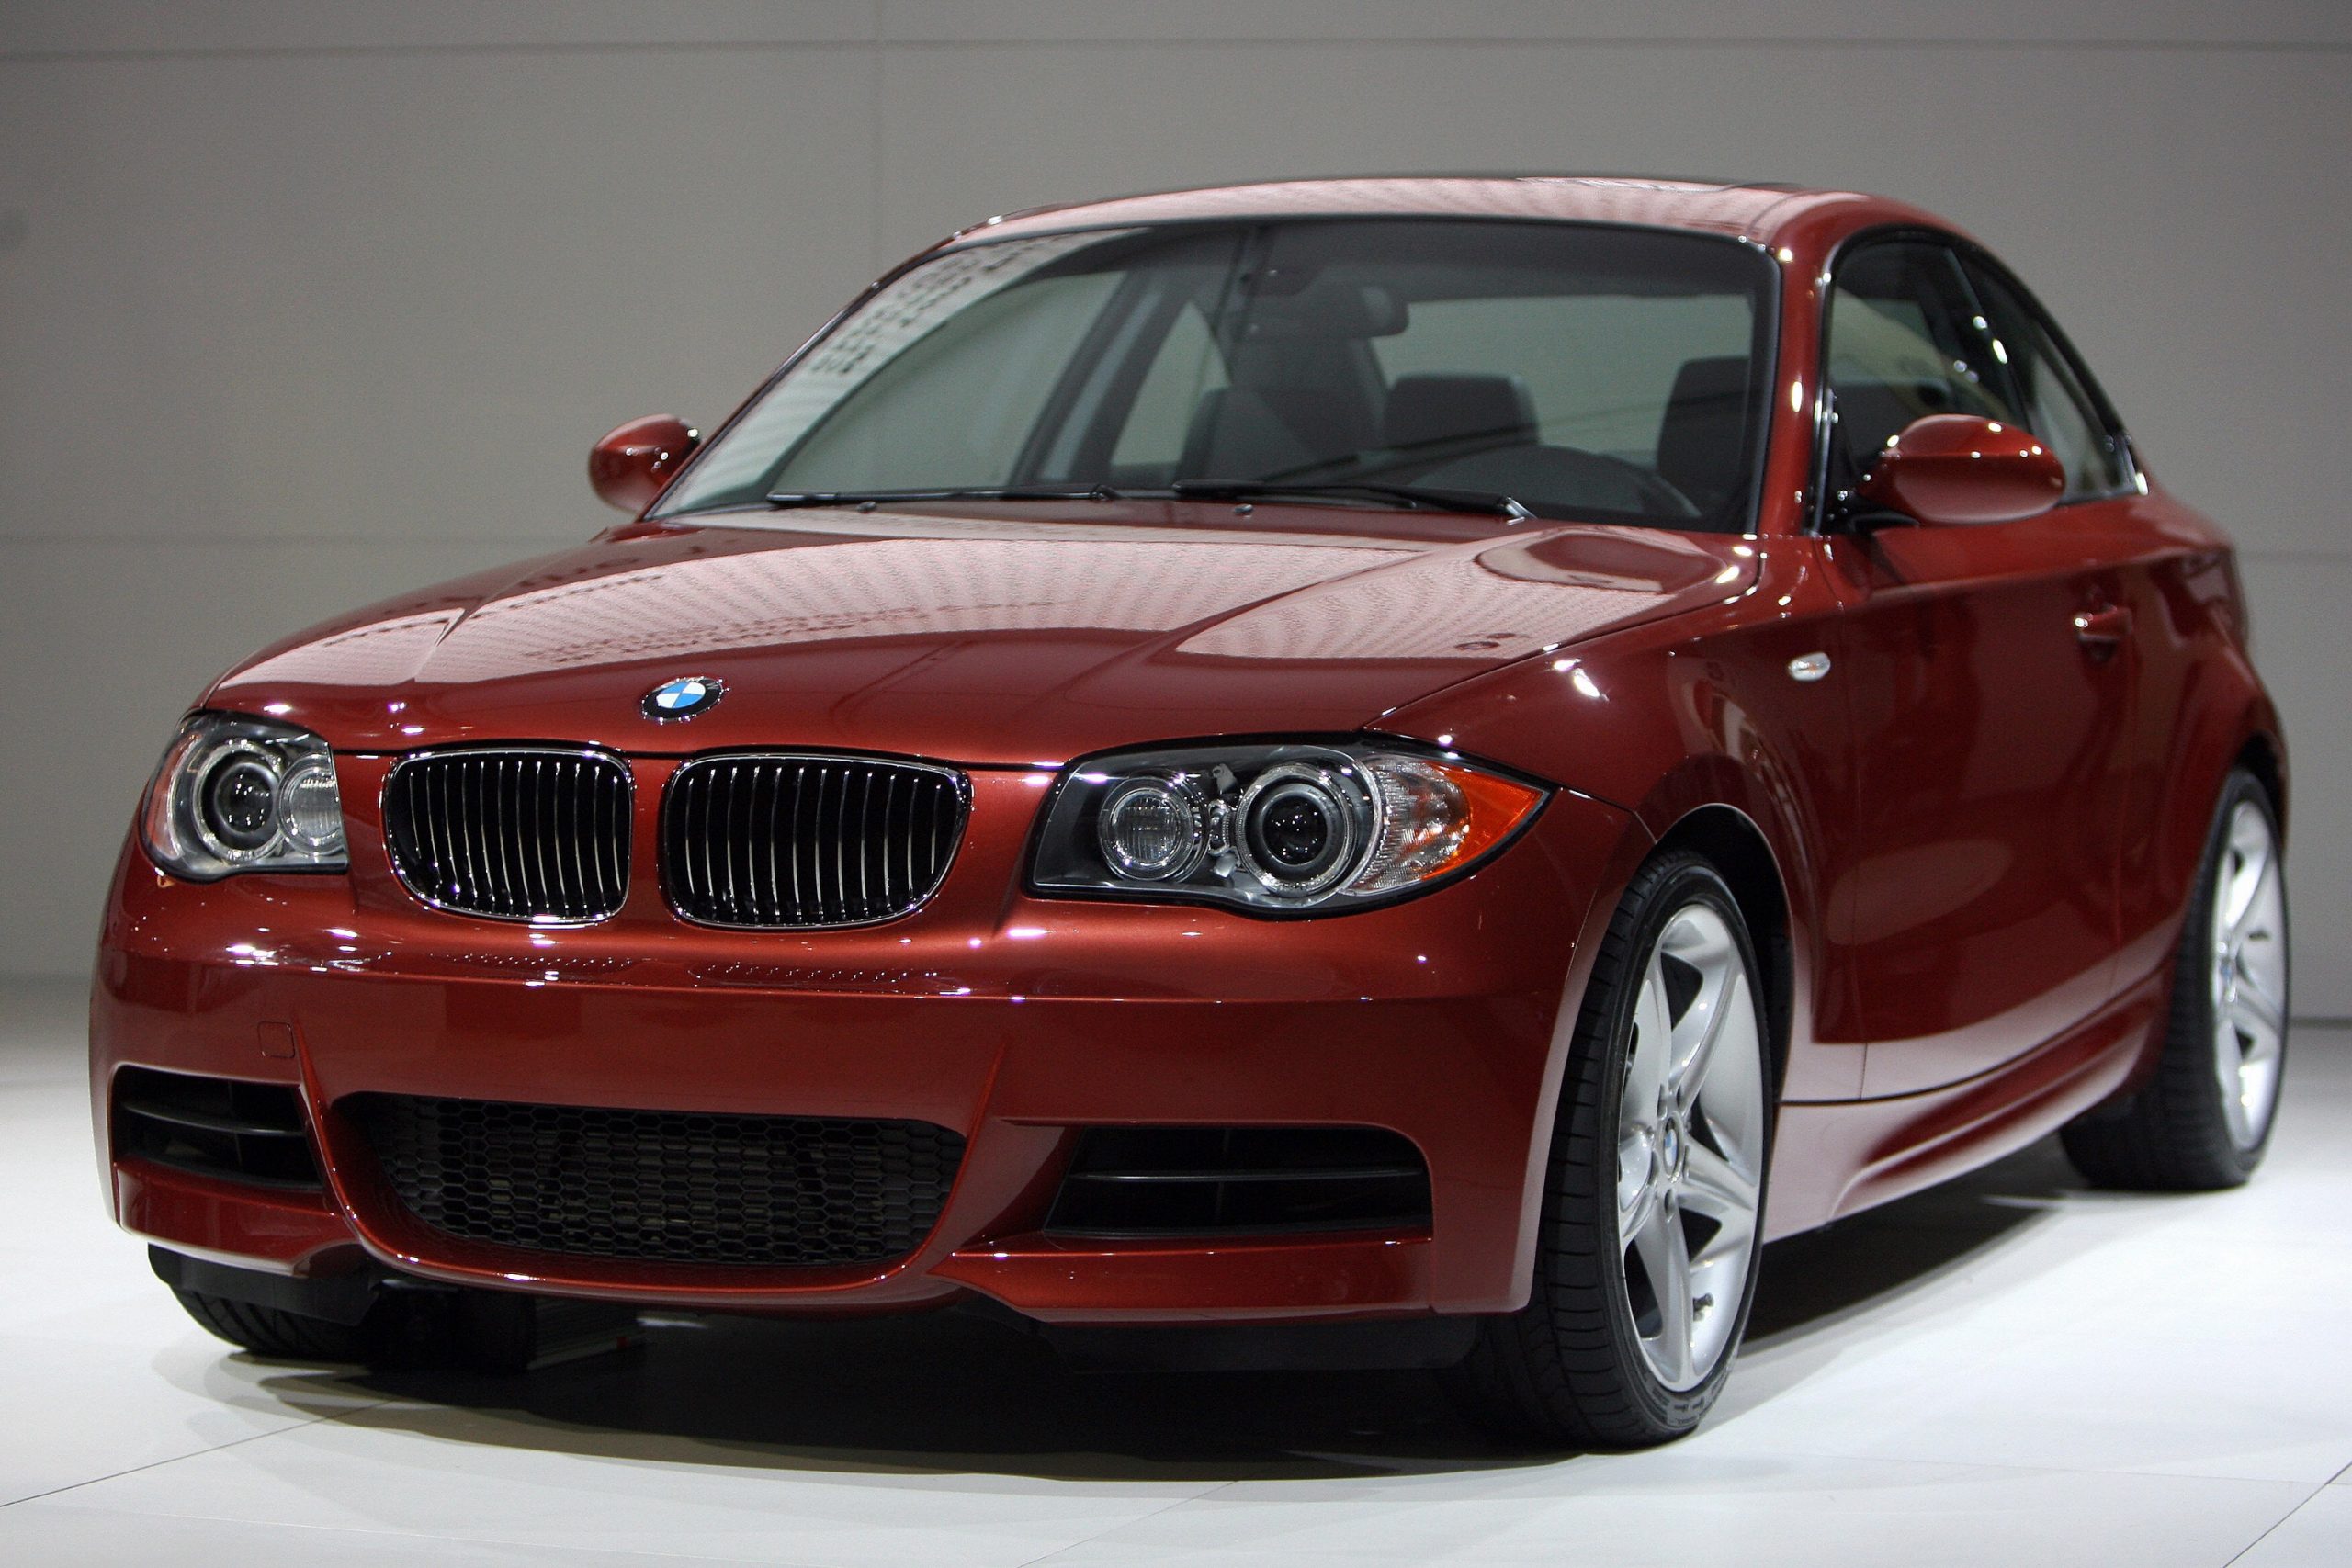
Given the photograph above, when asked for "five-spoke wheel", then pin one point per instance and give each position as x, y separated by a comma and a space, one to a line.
2203, 1118
2249, 970
1691, 1146
1647, 1258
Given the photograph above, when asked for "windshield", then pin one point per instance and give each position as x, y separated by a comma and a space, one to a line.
1551, 369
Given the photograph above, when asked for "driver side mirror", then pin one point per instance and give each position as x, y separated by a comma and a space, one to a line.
628, 467
1956, 468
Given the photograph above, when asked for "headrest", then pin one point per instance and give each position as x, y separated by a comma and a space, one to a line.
1445, 410
1699, 440
1724, 381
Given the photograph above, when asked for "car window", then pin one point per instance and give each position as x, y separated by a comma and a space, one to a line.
956, 405
1905, 341
1185, 368
2056, 406
1599, 370
1581, 371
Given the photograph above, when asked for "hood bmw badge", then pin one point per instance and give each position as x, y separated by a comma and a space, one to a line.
683, 698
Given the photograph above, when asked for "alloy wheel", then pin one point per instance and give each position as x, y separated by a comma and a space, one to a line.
2248, 973
1691, 1143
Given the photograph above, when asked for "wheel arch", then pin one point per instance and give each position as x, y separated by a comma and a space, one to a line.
2263, 755
1730, 840
2240, 734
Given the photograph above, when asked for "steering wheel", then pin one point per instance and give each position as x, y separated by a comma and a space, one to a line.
1563, 474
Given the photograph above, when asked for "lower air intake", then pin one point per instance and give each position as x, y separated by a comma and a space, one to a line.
251, 1132
1148, 1181
663, 1186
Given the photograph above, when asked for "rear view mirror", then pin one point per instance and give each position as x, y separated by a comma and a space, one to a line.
635, 463
1956, 468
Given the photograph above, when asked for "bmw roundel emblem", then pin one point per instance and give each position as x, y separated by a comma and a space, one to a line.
683, 698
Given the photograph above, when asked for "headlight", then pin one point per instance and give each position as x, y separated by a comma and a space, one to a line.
243, 795
1275, 828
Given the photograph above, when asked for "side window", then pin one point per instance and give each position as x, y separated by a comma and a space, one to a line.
2057, 408
1905, 341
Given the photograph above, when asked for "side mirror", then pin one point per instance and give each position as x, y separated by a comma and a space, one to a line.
628, 467
1955, 468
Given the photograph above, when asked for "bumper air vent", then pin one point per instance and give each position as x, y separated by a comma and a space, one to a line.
1149, 1181
252, 1133
662, 1186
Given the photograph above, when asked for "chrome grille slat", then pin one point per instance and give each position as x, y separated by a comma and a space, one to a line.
613, 841
568, 805
489, 832
775, 841
494, 788
539, 825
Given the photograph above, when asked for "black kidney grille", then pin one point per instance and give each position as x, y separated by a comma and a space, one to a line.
514, 834
777, 840
663, 1186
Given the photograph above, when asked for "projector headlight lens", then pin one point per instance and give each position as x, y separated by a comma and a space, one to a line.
236, 793
1301, 825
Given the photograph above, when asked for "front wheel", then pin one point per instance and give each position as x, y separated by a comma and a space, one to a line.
1645, 1259
279, 1334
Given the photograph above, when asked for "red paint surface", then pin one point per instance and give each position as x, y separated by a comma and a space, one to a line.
634, 464
1981, 829
1956, 468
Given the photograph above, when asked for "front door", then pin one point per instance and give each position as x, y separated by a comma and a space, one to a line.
1989, 705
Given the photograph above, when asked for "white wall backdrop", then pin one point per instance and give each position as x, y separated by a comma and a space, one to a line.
304, 302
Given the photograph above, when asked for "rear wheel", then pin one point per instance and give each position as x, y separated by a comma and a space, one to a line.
1645, 1259
2203, 1119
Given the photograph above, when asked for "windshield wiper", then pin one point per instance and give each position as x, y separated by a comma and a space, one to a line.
785, 499
1412, 496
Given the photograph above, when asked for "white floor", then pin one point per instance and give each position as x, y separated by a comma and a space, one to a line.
2008, 1371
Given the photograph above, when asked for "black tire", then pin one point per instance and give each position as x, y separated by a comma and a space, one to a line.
279, 1335
1568, 1369
497, 1332
2173, 1133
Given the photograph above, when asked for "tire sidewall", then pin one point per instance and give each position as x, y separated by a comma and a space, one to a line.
1655, 898
2193, 1022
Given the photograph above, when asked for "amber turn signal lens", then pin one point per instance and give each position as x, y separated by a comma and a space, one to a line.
1437, 817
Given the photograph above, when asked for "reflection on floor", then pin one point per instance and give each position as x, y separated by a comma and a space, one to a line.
2010, 1369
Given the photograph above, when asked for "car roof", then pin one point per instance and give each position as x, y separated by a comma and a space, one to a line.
1756, 210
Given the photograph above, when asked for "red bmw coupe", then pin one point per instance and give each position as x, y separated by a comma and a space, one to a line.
1387, 772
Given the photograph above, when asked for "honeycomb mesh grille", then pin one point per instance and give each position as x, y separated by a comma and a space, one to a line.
786, 840
663, 1186
515, 835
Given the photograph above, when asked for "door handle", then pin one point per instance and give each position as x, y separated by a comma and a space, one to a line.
2099, 630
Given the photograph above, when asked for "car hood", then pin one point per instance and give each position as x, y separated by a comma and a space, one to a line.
975, 634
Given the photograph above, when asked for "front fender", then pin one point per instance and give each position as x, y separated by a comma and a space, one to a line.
1699, 711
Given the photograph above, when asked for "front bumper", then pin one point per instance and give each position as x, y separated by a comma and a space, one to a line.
1011, 1021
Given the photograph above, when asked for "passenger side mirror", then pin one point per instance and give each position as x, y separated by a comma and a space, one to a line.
628, 467
1956, 468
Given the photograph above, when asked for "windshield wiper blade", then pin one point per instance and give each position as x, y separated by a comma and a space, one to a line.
1415, 496
785, 499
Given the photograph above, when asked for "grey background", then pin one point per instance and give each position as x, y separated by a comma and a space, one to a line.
302, 303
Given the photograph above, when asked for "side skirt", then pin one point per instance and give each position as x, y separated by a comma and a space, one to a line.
1839, 1159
